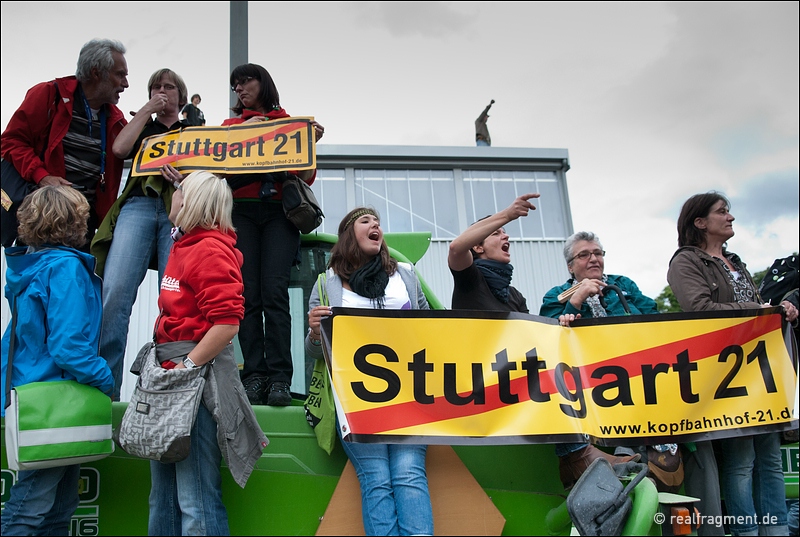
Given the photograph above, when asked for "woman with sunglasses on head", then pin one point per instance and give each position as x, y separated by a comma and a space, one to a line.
135, 234
361, 274
270, 244
201, 306
705, 276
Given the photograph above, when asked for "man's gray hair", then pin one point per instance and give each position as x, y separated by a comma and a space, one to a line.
587, 236
97, 54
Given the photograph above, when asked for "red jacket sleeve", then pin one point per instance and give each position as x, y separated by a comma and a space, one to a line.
26, 134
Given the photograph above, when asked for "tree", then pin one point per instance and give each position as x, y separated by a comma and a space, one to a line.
666, 301
758, 277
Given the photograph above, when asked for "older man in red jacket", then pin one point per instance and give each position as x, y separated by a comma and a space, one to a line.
63, 131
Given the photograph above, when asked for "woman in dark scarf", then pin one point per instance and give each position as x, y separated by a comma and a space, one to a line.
480, 262
361, 274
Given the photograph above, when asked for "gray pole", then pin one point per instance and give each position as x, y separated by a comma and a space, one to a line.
238, 39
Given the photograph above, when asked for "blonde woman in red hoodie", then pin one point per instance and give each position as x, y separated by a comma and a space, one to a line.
201, 306
270, 244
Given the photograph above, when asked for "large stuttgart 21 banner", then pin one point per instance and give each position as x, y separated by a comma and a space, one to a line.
462, 377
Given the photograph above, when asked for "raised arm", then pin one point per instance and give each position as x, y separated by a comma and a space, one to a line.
127, 137
485, 114
459, 256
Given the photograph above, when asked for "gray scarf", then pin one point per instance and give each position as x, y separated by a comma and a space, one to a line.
594, 303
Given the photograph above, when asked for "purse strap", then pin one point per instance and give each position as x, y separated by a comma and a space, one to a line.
11, 352
322, 289
155, 326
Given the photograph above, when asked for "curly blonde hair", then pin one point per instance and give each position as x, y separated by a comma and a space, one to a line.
54, 215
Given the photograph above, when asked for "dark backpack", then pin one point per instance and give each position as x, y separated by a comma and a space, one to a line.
781, 281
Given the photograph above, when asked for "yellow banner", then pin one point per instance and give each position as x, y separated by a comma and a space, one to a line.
275, 145
450, 377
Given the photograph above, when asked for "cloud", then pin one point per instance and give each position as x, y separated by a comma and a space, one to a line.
723, 67
760, 246
747, 140
434, 20
764, 199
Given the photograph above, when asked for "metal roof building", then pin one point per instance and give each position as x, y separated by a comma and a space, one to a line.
445, 189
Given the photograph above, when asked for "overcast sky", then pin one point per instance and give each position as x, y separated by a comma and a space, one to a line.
654, 101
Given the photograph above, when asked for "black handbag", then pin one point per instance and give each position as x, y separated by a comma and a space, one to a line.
300, 205
14, 190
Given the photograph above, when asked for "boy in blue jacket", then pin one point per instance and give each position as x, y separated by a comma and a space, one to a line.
56, 297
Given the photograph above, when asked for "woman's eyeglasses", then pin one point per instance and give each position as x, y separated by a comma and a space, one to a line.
583, 256
242, 82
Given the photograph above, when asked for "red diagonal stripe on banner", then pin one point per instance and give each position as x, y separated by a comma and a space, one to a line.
157, 163
408, 414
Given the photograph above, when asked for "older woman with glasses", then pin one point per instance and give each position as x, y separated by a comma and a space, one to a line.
579, 298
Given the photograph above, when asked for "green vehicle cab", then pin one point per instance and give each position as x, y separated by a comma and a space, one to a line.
293, 483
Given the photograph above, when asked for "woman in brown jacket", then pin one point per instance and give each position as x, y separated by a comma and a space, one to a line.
706, 277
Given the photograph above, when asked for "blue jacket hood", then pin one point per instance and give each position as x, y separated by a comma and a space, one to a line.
23, 266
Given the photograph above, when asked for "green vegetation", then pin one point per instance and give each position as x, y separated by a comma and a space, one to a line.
666, 301
758, 277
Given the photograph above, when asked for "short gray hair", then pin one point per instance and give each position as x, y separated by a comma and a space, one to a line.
97, 54
587, 236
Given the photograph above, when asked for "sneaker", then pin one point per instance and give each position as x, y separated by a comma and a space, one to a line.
279, 394
256, 389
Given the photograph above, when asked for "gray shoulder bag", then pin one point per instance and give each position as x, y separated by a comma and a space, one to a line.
158, 421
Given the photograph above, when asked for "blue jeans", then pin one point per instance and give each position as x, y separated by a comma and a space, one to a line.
794, 510
42, 502
394, 488
186, 496
269, 244
566, 449
142, 233
752, 481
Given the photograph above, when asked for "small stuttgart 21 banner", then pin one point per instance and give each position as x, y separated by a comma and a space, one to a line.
276, 145
461, 377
